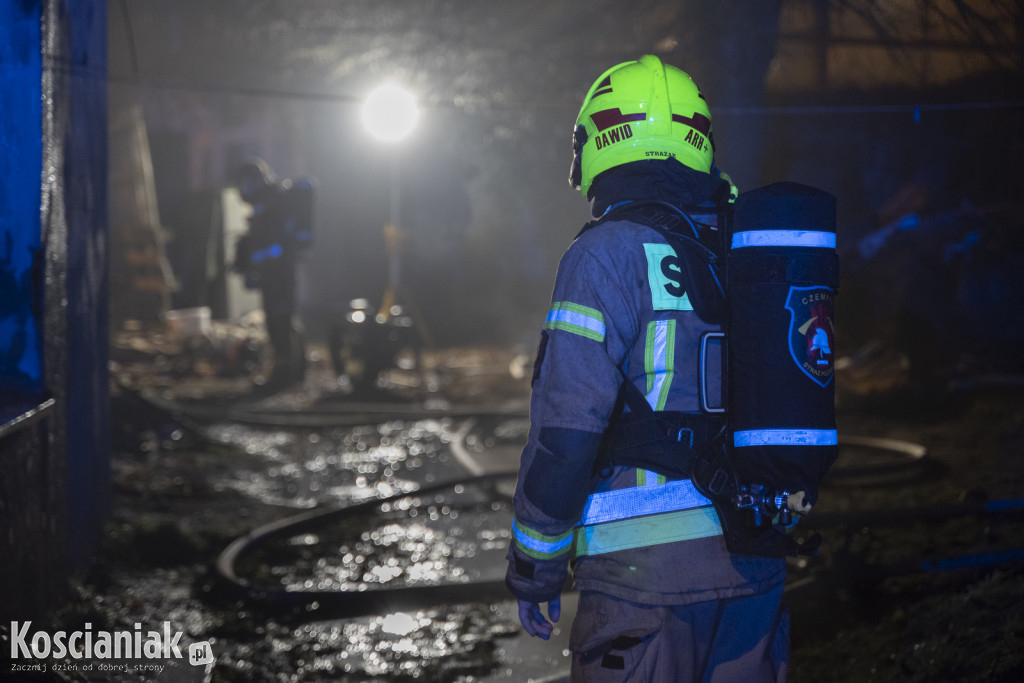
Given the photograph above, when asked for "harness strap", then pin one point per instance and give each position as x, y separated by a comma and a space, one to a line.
665, 442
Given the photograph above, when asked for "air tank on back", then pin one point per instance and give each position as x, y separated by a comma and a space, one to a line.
782, 278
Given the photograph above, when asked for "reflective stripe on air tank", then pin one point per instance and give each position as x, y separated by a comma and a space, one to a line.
785, 437
784, 238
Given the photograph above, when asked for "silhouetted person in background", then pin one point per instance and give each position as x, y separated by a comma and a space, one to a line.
268, 256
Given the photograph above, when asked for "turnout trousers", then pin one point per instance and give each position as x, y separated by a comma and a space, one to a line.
717, 641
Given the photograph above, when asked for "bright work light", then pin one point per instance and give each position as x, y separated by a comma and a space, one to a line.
390, 113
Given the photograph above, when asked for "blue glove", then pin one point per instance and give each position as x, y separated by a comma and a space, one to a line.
533, 620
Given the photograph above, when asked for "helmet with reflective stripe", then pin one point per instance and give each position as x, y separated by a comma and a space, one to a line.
640, 110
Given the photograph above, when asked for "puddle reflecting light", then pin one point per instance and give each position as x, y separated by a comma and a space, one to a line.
399, 624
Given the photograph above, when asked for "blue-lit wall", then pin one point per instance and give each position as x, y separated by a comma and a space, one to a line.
54, 405
20, 168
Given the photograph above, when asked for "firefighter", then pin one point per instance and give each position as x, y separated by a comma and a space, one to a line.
661, 598
268, 256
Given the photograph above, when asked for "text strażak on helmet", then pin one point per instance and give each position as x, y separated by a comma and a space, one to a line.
640, 110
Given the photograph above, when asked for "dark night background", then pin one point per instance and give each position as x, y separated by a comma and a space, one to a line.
902, 109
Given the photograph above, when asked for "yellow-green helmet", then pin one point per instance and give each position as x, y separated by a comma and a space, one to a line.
640, 110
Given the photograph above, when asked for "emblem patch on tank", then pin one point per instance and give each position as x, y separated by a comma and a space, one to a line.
811, 332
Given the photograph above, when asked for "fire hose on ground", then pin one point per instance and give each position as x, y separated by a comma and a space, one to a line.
347, 603
338, 603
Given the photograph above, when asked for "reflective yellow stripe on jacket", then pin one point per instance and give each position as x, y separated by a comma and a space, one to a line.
635, 517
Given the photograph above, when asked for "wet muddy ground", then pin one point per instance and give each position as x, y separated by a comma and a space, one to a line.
360, 595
